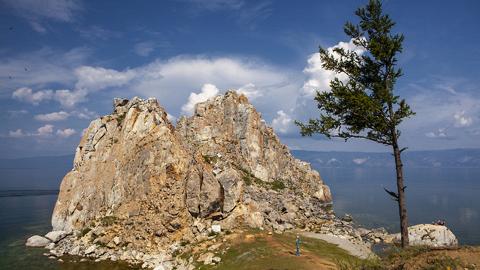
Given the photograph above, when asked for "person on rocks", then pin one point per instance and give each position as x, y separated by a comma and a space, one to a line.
297, 244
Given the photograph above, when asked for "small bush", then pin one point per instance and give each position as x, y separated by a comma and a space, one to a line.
108, 220
84, 231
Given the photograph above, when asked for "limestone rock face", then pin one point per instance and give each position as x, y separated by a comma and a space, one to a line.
228, 128
138, 178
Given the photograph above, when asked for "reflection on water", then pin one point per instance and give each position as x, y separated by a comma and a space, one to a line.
432, 194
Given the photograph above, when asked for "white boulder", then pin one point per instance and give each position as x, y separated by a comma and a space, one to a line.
430, 235
56, 236
37, 241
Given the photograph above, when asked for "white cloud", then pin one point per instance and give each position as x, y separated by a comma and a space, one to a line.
26, 94
440, 133
51, 117
282, 123
84, 113
207, 91
65, 133
250, 91
16, 133
45, 130
318, 78
37, 11
97, 78
462, 120
67, 98
359, 161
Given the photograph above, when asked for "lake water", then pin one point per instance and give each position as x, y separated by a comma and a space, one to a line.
449, 194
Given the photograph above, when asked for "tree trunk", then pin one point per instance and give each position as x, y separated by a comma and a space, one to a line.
402, 208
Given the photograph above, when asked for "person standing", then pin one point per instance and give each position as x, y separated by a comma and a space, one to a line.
297, 244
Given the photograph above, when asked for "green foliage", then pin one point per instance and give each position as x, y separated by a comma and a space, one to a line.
108, 220
250, 179
84, 231
210, 159
364, 105
277, 185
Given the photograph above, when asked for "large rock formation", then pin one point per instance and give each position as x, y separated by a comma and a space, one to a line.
139, 182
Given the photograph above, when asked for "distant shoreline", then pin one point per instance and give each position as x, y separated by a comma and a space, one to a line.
27, 192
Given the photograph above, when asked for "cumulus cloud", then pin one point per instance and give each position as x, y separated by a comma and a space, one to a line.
45, 130
42, 132
35, 12
283, 123
318, 78
16, 133
181, 76
462, 120
26, 94
207, 91
65, 133
250, 91
51, 117
97, 78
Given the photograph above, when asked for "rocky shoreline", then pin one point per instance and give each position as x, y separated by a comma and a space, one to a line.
205, 249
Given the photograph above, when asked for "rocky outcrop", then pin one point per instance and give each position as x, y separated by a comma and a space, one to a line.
141, 184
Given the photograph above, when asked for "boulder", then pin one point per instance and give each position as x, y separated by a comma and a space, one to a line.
216, 228
56, 236
437, 236
37, 241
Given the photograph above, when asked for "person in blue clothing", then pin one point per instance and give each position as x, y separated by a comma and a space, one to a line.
297, 244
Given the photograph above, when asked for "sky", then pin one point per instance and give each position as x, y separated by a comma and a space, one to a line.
62, 62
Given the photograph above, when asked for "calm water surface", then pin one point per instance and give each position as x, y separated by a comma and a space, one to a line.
449, 194
432, 193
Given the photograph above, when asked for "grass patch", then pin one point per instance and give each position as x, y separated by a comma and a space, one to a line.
210, 159
250, 179
277, 252
277, 185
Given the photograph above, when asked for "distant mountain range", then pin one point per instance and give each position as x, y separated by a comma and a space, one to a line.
455, 158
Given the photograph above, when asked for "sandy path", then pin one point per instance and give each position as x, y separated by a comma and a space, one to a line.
356, 249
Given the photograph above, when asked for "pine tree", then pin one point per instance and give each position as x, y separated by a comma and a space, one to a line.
364, 104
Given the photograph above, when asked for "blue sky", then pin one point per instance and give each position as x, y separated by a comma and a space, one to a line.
62, 62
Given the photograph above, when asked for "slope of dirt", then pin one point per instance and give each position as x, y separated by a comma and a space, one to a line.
260, 250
